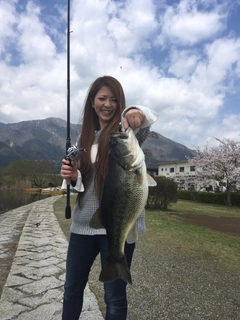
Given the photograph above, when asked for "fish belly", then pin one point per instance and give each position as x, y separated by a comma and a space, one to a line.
123, 200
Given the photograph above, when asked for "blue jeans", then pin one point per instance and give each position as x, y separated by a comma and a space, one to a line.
82, 251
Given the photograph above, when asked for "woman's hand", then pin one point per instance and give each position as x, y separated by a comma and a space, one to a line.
134, 119
69, 172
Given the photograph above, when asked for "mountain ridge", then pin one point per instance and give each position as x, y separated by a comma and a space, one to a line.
46, 140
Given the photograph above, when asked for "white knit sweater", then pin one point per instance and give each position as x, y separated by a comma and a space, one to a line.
82, 215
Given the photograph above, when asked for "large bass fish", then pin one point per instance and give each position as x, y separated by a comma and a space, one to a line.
124, 197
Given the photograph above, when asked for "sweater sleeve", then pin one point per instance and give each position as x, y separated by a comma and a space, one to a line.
151, 117
79, 187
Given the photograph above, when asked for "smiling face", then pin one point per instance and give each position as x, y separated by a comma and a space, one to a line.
105, 105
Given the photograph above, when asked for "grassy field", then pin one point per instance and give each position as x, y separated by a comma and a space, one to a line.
185, 206
223, 247
178, 261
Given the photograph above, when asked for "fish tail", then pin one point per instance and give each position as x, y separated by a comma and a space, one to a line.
114, 269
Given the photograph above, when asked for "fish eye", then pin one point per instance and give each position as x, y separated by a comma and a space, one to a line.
137, 172
112, 141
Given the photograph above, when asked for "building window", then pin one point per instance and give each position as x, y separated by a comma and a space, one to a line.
192, 168
181, 169
171, 169
165, 169
162, 169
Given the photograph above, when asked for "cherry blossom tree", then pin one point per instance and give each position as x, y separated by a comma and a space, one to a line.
221, 163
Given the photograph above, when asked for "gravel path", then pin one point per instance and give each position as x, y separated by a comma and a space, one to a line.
170, 283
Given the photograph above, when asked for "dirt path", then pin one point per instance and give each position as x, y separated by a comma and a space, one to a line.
229, 225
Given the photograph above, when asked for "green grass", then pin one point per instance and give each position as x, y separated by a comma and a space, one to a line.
221, 246
186, 206
59, 210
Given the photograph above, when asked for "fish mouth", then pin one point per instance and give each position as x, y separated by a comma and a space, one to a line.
125, 148
115, 136
121, 134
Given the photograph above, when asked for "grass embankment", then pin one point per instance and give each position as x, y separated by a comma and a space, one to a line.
167, 254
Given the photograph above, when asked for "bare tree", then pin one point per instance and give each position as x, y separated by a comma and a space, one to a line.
41, 172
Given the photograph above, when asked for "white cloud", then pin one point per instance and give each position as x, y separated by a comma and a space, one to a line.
34, 44
227, 128
8, 20
188, 86
222, 60
230, 127
185, 24
133, 27
223, 55
183, 63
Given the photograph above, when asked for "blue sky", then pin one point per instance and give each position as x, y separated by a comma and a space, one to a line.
180, 58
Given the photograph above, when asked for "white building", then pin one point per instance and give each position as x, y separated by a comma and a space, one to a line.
175, 168
183, 174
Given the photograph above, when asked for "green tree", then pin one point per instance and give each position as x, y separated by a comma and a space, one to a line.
163, 194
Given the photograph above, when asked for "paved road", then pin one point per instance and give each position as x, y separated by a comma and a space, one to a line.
34, 286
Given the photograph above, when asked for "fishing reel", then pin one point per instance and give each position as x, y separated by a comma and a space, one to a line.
73, 154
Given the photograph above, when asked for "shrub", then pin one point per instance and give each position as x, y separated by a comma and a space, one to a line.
187, 195
210, 197
163, 194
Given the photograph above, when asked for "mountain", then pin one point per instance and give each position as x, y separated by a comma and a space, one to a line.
34, 140
46, 140
158, 149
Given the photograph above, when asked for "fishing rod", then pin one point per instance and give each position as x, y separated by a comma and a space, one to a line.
68, 140
72, 152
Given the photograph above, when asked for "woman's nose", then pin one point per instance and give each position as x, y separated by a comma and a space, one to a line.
108, 103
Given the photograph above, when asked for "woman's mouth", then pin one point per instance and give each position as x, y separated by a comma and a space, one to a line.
107, 112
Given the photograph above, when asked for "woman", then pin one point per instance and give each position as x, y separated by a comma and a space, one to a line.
104, 108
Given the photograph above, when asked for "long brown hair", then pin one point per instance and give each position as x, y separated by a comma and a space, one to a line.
91, 123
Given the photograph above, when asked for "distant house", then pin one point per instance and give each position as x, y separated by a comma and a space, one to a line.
183, 173
175, 168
